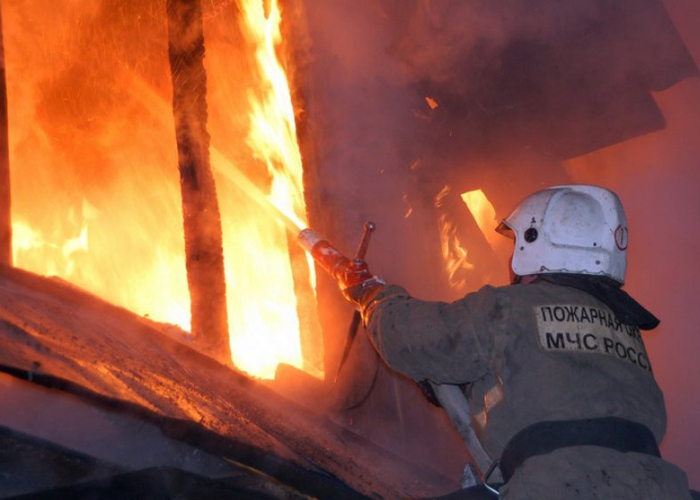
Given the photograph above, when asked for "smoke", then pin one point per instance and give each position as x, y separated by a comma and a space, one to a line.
439, 37
657, 178
520, 89
517, 89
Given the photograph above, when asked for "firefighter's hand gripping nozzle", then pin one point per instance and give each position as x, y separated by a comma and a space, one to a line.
353, 276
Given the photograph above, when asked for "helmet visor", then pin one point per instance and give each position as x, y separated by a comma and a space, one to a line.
505, 230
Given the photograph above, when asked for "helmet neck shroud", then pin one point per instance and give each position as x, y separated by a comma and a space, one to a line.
609, 292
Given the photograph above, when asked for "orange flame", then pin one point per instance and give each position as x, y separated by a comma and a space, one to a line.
484, 214
95, 192
453, 253
261, 298
432, 103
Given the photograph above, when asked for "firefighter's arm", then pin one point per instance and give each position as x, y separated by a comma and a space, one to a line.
425, 340
437, 341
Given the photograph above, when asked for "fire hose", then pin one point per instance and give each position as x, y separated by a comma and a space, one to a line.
450, 397
337, 265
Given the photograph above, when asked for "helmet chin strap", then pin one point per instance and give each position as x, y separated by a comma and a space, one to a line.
514, 278
524, 280
608, 291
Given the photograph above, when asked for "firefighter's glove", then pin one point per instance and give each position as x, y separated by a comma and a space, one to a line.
357, 283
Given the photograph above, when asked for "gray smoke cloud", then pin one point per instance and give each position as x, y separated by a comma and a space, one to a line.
528, 94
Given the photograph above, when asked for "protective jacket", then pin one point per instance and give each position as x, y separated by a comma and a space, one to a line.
532, 353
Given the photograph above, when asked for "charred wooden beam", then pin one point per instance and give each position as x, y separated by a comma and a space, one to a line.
202, 219
60, 337
5, 215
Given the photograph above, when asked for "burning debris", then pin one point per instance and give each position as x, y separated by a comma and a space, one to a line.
68, 341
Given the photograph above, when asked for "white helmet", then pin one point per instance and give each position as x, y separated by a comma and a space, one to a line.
569, 229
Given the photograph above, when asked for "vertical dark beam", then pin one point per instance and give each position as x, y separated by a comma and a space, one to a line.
5, 207
202, 219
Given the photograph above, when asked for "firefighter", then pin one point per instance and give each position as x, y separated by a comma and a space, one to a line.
559, 381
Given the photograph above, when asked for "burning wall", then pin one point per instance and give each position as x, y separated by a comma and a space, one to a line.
95, 194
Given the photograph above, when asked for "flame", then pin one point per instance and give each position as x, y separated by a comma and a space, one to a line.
95, 191
95, 195
66, 252
58, 258
273, 130
454, 255
484, 214
263, 309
